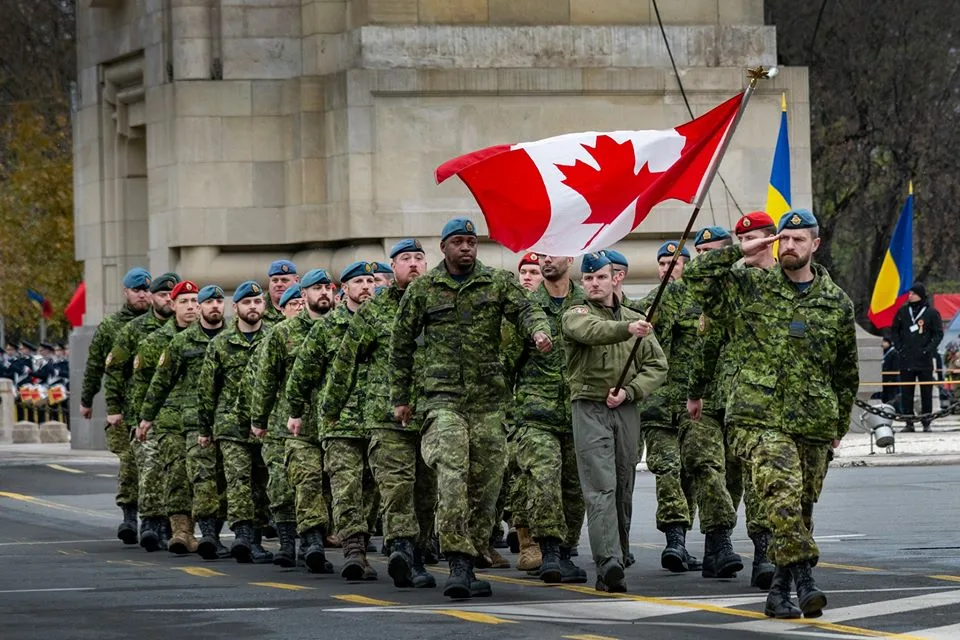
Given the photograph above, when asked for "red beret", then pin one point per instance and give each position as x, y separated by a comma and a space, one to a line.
184, 287
754, 220
529, 258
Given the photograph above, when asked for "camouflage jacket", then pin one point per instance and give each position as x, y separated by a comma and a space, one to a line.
460, 323
120, 365
219, 386
174, 382
640, 305
309, 372
274, 361
598, 344
271, 315
100, 346
541, 395
798, 371
149, 353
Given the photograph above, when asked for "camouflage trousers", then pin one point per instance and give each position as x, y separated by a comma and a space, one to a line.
787, 475
177, 491
279, 491
305, 474
467, 452
408, 487
703, 456
150, 475
740, 486
512, 497
548, 468
246, 476
118, 442
675, 490
207, 479
352, 488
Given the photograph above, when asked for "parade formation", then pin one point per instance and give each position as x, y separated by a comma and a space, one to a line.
428, 405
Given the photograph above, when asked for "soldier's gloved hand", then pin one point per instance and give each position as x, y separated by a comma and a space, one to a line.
143, 429
695, 409
640, 328
614, 400
257, 432
543, 342
757, 245
403, 414
114, 419
86, 412
203, 441
293, 426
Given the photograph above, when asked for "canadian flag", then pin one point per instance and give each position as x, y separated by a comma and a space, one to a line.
582, 192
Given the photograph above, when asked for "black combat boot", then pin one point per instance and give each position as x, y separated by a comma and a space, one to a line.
811, 599
693, 562
286, 556
127, 531
400, 565
457, 585
150, 534
763, 569
207, 547
222, 551
165, 532
354, 558
269, 531
421, 578
314, 556
513, 540
779, 604
610, 577
258, 554
431, 552
674, 555
242, 547
478, 588
550, 571
719, 559
569, 572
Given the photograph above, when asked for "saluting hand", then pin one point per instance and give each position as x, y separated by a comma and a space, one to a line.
640, 328
757, 245
543, 342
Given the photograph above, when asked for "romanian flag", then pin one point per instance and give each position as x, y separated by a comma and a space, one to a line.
778, 191
45, 307
896, 272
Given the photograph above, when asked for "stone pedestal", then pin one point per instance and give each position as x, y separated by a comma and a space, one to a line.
51, 432
84, 434
26, 433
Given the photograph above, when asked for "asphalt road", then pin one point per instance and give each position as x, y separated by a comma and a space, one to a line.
888, 536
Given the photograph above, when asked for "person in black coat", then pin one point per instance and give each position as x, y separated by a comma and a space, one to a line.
917, 331
890, 367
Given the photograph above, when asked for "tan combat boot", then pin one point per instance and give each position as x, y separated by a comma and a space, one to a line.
530, 558
182, 542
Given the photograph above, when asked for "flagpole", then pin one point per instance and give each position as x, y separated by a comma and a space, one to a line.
755, 74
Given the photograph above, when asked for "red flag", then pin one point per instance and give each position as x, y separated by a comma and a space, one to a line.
77, 306
581, 192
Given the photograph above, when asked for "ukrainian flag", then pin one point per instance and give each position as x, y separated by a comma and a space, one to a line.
896, 272
778, 191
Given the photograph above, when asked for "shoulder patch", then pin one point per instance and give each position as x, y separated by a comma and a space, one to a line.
136, 361
109, 359
579, 309
163, 358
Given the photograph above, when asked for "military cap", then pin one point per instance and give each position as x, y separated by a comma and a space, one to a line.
210, 292
382, 267
458, 227
281, 268
315, 276
593, 262
248, 289
710, 234
28, 345
668, 248
47, 345
137, 278
357, 269
184, 287
165, 282
529, 258
754, 220
405, 246
290, 294
797, 219
615, 257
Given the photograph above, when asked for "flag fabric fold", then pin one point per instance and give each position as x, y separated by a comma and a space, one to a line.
896, 272
778, 191
581, 192
45, 307
77, 306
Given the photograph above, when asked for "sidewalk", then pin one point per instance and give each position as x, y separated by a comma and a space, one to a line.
18, 454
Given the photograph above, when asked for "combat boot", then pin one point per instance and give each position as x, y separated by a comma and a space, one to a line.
242, 547
354, 558
164, 530
127, 531
569, 572
550, 565
369, 573
286, 556
530, 558
269, 531
431, 553
610, 577
811, 599
222, 550
183, 541
457, 585
779, 604
314, 556
150, 534
494, 560
497, 540
478, 588
513, 540
719, 559
400, 565
258, 554
674, 556
207, 547
332, 542
693, 562
421, 578
763, 569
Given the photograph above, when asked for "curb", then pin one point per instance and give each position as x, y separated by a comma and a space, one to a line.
884, 460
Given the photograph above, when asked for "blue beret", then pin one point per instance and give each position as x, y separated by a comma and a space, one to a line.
458, 227
593, 262
615, 257
668, 248
136, 278
282, 268
356, 269
248, 289
290, 294
377, 290
210, 292
797, 219
165, 282
405, 246
382, 267
315, 276
710, 234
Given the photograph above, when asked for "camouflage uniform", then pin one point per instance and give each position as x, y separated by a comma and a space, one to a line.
118, 438
223, 378
271, 315
463, 389
783, 418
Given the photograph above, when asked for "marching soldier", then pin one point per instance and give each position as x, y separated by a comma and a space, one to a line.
291, 302
281, 275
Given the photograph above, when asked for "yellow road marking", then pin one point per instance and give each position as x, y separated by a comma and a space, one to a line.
848, 567
356, 599
282, 585
949, 578
51, 505
201, 572
472, 616
133, 563
589, 636
62, 468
